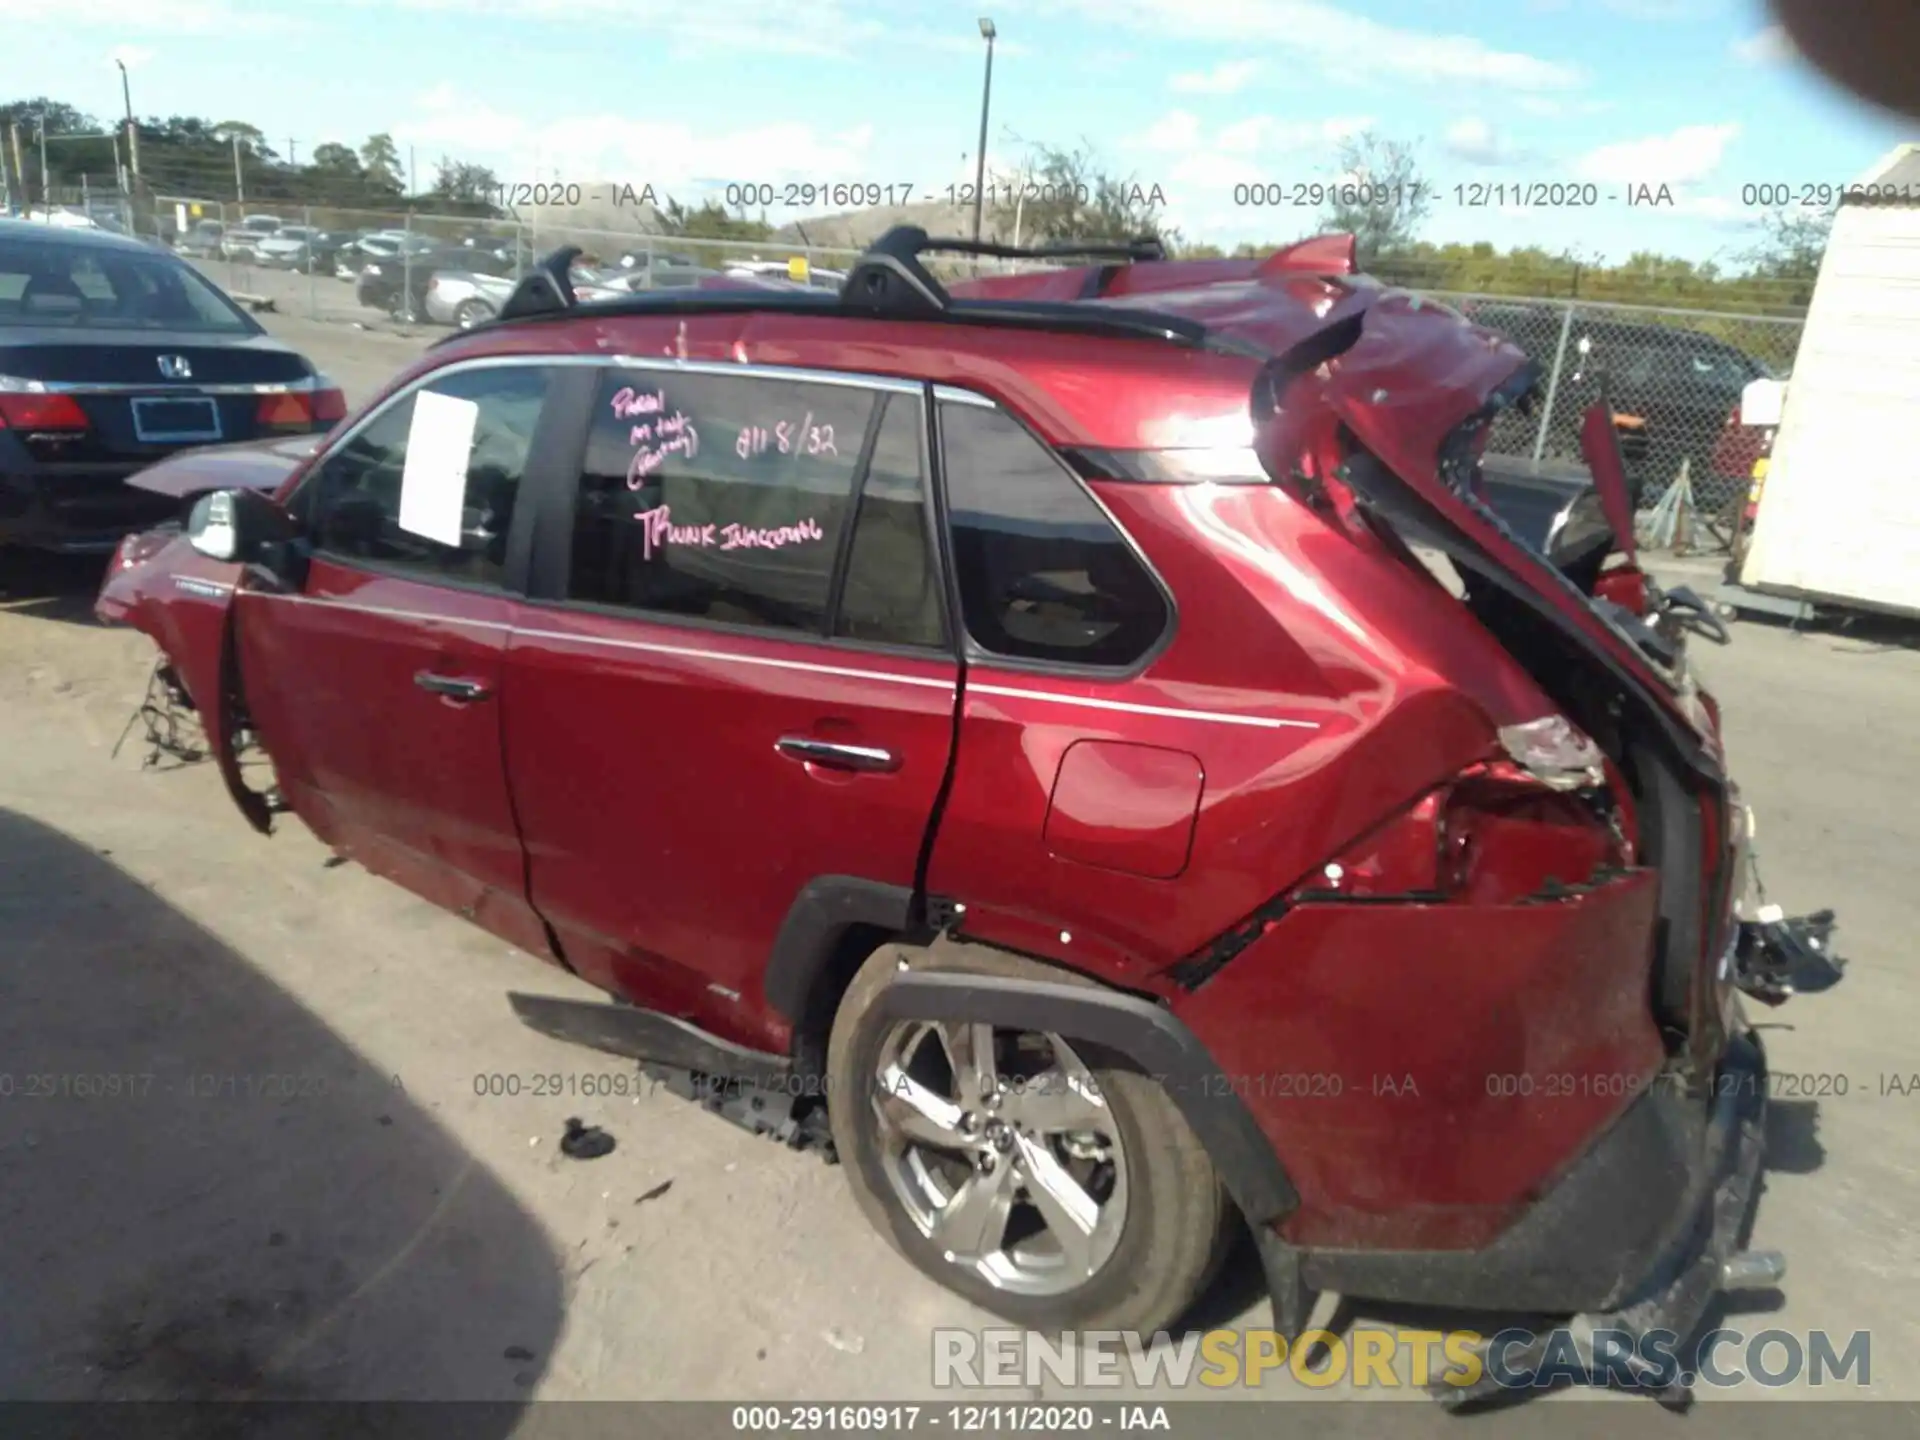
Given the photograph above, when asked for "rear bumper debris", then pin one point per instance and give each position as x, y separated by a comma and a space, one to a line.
1704, 1257
1777, 956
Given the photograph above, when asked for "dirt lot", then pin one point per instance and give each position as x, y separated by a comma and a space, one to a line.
300, 1190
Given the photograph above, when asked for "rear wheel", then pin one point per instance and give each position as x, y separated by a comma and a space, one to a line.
1044, 1179
472, 313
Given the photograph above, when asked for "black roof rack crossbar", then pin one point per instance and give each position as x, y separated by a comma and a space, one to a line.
1146, 247
889, 283
888, 279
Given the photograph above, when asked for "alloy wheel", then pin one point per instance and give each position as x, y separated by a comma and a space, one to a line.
1001, 1149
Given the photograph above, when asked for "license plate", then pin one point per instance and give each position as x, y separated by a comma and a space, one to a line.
172, 422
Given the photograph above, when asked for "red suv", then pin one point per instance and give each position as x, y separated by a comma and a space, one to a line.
1079, 735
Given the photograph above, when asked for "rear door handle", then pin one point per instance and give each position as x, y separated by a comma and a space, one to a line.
454, 687
836, 756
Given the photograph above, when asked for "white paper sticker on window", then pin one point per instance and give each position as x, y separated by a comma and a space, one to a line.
433, 485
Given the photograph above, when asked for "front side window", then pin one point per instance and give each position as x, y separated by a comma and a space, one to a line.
429, 485
716, 497
1043, 573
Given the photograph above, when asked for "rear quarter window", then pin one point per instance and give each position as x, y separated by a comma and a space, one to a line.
1043, 573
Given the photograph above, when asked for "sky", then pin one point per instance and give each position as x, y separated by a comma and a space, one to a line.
1532, 121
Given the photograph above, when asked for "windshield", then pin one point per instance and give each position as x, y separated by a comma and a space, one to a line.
91, 287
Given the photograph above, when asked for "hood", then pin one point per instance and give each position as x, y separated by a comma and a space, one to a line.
251, 465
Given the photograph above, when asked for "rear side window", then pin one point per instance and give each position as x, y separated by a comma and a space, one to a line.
717, 497
1043, 573
352, 506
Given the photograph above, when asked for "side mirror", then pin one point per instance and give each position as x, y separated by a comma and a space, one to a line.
240, 526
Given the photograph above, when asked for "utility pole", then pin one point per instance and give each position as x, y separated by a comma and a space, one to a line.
20, 166
239, 180
987, 33
46, 191
293, 153
133, 128
413, 175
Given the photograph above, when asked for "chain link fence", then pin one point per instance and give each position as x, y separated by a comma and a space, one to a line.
1674, 376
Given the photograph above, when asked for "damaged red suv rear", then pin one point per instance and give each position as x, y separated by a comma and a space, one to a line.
1078, 746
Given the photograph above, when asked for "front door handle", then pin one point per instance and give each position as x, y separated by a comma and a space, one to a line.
836, 756
454, 687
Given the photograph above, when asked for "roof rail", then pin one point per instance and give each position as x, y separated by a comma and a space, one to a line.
888, 279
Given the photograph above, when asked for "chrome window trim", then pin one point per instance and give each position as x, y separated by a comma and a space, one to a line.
748, 370
959, 396
855, 378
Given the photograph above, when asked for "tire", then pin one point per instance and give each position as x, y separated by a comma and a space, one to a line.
1178, 1222
471, 313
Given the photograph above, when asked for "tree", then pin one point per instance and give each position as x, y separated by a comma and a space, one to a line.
711, 221
381, 159
1058, 196
250, 138
1380, 196
336, 158
464, 188
1792, 244
60, 118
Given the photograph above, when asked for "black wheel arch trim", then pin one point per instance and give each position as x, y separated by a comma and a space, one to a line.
824, 910
1147, 1034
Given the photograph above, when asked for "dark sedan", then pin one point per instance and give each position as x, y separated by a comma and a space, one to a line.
398, 284
1673, 390
113, 355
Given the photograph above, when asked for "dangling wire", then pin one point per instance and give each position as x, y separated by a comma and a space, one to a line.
173, 727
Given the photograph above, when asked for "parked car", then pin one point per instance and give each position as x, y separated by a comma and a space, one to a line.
201, 240
241, 241
655, 277
285, 248
61, 218
779, 270
115, 354
335, 253
463, 299
397, 284
641, 259
1672, 389
998, 732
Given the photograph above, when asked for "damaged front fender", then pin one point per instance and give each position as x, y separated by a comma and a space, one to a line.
183, 602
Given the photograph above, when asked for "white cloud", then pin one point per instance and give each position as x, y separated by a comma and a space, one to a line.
1331, 35
602, 150
1475, 141
823, 29
1264, 133
1764, 47
1688, 154
1229, 77
1175, 132
1555, 106
170, 17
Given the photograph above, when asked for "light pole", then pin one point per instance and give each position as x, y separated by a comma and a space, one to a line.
133, 130
986, 98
